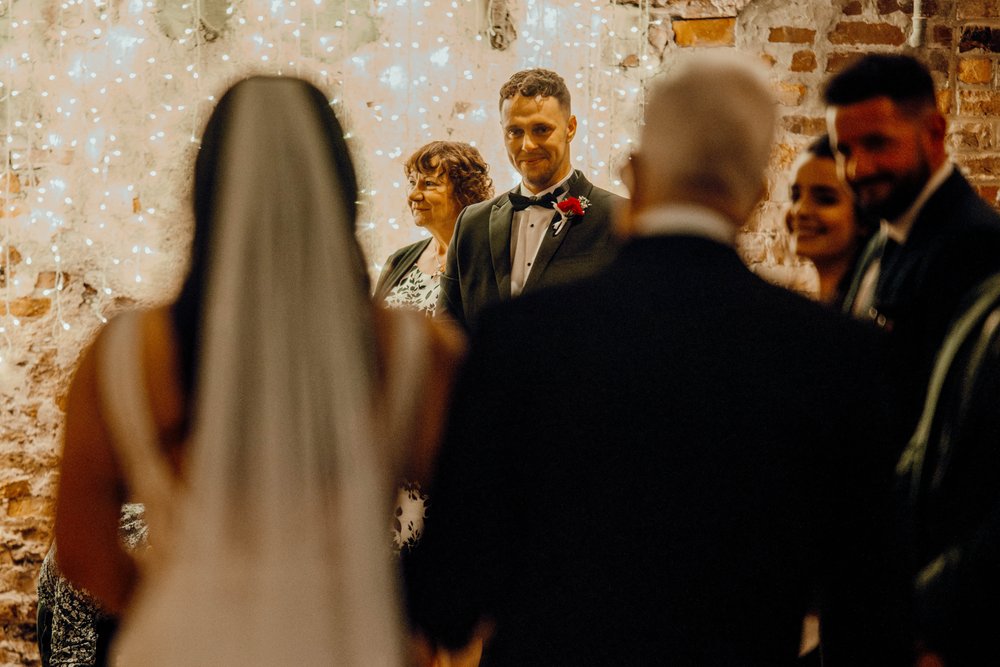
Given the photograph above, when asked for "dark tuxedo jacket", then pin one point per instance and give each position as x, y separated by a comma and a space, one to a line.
477, 271
396, 267
954, 244
665, 463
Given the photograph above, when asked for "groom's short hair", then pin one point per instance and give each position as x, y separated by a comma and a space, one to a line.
535, 82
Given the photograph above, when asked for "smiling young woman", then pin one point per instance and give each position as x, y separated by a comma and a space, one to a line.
826, 224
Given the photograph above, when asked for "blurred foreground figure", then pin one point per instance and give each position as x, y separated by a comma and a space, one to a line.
243, 416
950, 490
668, 462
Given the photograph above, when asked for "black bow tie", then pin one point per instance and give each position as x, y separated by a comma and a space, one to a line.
520, 202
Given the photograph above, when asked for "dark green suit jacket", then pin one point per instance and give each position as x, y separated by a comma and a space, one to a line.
396, 267
477, 271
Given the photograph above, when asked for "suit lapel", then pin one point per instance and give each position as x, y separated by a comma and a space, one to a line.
577, 186
501, 216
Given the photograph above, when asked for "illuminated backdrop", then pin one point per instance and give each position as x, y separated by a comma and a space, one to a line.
103, 103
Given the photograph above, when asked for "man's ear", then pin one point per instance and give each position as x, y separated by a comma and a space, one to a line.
570, 128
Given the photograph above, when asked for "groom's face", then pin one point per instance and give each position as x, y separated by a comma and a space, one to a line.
537, 132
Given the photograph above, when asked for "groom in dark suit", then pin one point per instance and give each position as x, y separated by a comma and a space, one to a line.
670, 461
519, 241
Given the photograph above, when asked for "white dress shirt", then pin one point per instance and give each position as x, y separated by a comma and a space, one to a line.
527, 229
898, 230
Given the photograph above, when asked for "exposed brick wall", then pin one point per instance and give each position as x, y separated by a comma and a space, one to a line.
801, 41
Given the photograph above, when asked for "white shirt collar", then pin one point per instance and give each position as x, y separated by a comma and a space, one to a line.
899, 229
528, 193
686, 220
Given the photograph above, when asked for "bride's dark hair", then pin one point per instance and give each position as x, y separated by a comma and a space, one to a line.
187, 309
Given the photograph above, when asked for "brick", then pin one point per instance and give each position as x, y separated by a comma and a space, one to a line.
853, 8
975, 70
691, 9
938, 62
978, 103
807, 125
930, 7
16, 489
657, 37
859, 32
975, 37
989, 193
46, 280
768, 60
980, 167
838, 61
10, 184
792, 35
970, 136
803, 61
28, 507
942, 35
977, 9
11, 254
29, 307
705, 32
943, 96
790, 94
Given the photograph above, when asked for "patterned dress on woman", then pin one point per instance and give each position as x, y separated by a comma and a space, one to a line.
403, 285
73, 630
416, 291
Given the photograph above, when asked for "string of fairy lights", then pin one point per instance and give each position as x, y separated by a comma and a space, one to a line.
103, 101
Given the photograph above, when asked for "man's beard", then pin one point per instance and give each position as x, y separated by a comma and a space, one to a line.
905, 189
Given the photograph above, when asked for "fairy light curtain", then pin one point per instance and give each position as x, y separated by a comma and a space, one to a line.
101, 102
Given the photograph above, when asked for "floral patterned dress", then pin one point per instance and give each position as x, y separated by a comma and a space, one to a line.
73, 629
416, 291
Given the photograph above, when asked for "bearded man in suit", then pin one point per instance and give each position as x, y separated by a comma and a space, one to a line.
669, 461
519, 242
939, 241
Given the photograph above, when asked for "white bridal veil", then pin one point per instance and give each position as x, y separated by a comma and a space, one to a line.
281, 554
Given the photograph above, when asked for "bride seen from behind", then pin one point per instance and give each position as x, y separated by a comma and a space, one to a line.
262, 417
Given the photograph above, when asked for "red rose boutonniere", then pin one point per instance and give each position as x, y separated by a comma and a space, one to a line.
570, 207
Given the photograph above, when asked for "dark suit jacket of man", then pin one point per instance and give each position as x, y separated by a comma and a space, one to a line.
953, 499
477, 271
396, 267
954, 244
662, 465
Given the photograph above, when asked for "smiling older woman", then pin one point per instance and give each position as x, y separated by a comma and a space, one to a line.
444, 177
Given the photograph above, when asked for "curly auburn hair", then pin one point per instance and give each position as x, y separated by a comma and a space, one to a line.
535, 82
464, 165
